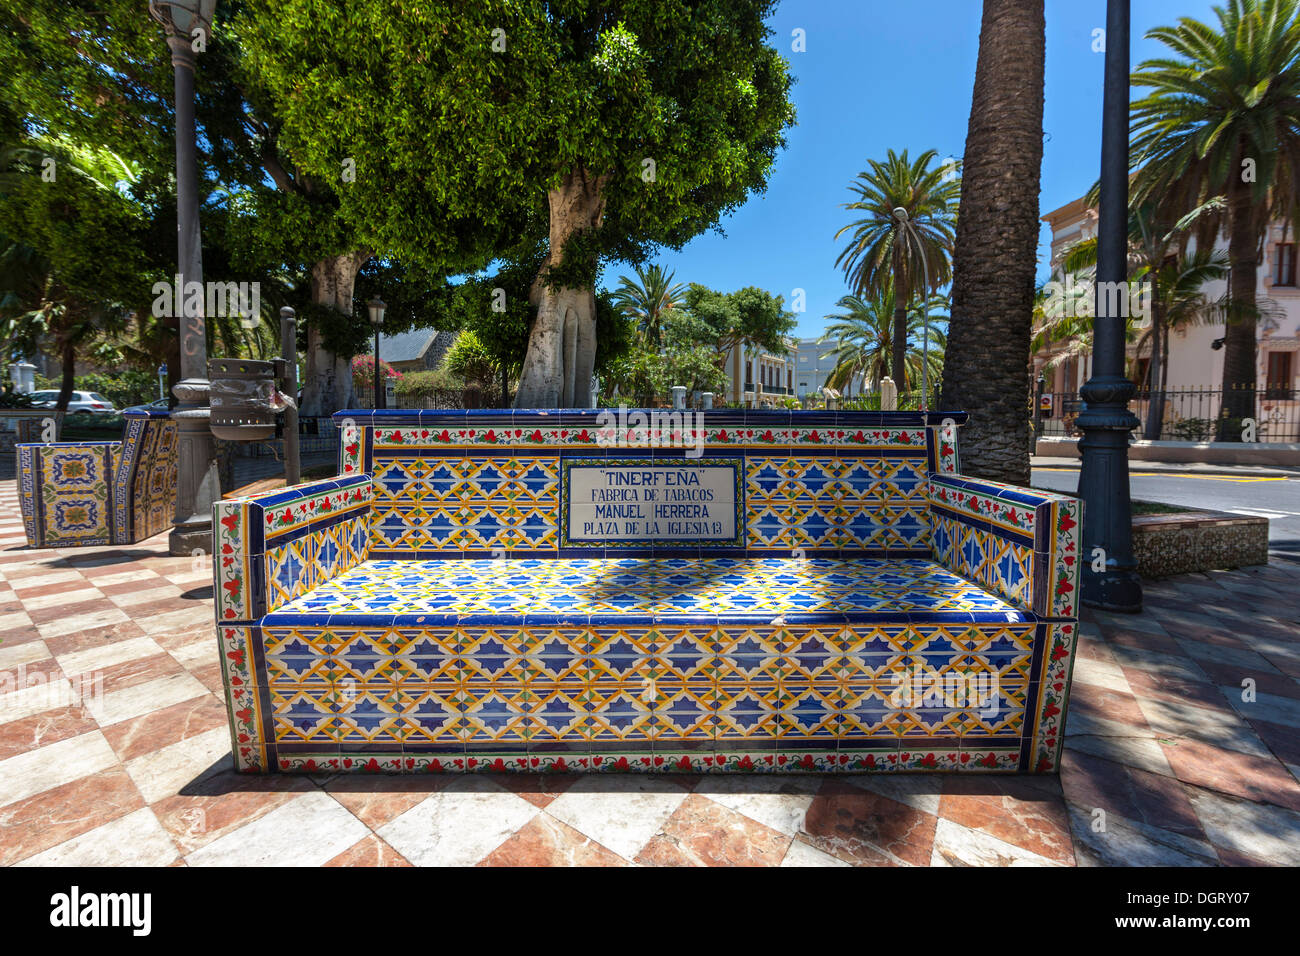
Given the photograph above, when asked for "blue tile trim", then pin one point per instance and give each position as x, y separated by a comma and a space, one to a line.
976, 523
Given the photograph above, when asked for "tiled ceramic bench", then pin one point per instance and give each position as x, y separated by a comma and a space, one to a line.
463, 597
101, 492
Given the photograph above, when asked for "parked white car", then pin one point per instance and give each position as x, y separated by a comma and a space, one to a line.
81, 404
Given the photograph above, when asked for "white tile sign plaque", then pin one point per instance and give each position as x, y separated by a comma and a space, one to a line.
634, 501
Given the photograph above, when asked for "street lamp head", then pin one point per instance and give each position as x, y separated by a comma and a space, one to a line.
900, 214
182, 17
376, 306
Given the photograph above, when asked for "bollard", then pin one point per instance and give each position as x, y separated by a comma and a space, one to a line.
679, 396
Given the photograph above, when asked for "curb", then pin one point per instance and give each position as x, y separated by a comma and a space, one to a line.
1180, 468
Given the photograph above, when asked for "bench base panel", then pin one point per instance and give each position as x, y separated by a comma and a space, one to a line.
813, 699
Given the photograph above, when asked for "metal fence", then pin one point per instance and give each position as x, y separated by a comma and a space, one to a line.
1187, 414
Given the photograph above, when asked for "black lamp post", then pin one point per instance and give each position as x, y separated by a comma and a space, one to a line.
189, 24
376, 307
1106, 419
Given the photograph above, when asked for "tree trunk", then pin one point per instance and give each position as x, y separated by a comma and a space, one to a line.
987, 372
1155, 397
898, 347
69, 379
1239, 333
327, 378
562, 345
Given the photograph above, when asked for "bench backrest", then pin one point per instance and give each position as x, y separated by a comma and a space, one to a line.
570, 483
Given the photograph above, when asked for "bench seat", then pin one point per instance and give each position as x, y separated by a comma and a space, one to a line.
860, 589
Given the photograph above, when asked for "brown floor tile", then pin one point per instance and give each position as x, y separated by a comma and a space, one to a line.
47, 819
1259, 779
1094, 783
39, 730
1235, 858
370, 851
1174, 690
1283, 741
539, 789
58, 587
1015, 810
130, 587
139, 671
224, 801
93, 637
378, 800
151, 732
1109, 704
545, 841
867, 829
48, 615
21, 634
701, 832
1228, 675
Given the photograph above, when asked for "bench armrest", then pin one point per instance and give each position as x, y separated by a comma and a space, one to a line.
274, 547
1020, 543
66, 492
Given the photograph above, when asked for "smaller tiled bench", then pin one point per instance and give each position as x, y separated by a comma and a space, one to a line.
98, 493
459, 598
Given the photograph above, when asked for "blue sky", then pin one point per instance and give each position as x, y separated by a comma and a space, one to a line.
881, 74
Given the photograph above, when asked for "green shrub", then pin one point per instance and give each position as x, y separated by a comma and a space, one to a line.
471, 360
427, 384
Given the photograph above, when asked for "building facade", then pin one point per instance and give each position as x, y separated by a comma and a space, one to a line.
757, 375
1195, 349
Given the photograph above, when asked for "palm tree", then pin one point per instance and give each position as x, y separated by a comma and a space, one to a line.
1157, 253
905, 238
987, 371
862, 340
1224, 118
647, 299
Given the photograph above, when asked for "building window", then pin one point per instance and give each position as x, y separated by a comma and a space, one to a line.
1284, 273
1277, 384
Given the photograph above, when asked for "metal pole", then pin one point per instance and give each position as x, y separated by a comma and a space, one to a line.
1106, 419
197, 484
1038, 408
289, 352
379, 392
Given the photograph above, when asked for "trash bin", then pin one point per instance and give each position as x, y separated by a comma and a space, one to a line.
244, 399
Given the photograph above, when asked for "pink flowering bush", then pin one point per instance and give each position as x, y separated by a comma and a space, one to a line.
363, 371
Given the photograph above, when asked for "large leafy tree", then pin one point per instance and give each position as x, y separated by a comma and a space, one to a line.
98, 72
1223, 118
75, 250
619, 126
911, 252
987, 366
748, 316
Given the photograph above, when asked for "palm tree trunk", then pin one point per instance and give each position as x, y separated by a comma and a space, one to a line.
988, 371
1239, 335
899, 344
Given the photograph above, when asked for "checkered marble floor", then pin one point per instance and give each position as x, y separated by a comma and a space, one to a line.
114, 750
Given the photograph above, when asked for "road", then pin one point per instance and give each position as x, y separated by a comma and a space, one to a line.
1275, 498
